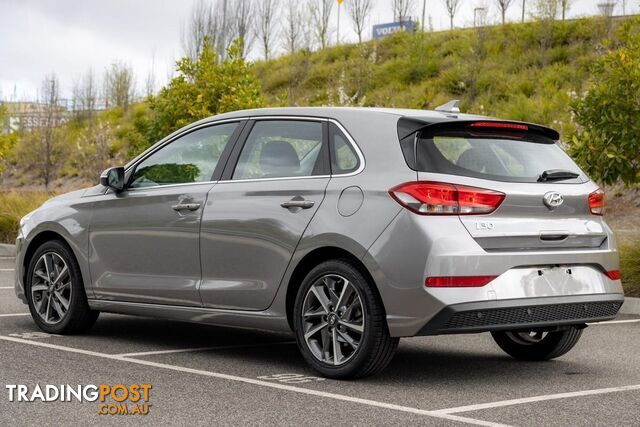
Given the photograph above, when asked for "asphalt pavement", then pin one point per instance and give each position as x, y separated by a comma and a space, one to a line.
204, 375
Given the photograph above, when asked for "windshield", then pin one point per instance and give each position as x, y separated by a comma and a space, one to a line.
512, 158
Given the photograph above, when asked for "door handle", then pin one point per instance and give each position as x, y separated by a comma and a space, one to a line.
186, 207
294, 203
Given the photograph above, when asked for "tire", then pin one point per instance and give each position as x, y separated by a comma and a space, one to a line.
359, 353
47, 301
537, 347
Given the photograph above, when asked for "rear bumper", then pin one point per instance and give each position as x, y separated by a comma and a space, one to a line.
526, 314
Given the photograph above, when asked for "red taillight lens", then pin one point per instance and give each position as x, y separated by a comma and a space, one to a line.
596, 202
437, 198
613, 274
458, 281
500, 125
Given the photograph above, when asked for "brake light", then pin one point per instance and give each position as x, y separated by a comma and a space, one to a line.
613, 274
596, 202
438, 198
458, 281
500, 125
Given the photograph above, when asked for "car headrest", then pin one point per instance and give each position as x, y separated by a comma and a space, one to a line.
478, 160
279, 158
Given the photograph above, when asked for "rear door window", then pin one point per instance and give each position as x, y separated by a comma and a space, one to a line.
510, 158
281, 148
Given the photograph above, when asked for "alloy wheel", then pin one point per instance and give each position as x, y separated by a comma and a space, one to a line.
51, 287
333, 319
527, 338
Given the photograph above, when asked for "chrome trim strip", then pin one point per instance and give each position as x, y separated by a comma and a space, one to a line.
171, 185
281, 178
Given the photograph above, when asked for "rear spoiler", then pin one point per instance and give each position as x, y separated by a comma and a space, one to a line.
408, 126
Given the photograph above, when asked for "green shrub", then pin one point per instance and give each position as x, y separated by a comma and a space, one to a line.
13, 206
630, 268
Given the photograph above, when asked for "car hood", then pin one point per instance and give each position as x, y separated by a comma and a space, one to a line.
66, 197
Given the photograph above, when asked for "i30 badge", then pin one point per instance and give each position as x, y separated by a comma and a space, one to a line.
552, 199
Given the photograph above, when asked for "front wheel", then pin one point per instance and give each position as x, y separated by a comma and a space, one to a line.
340, 322
537, 345
55, 291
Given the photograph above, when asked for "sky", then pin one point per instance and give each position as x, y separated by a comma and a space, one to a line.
69, 37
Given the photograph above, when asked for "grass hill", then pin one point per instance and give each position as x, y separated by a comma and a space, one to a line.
528, 71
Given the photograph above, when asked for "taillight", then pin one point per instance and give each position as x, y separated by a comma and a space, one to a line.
458, 281
438, 198
613, 274
596, 202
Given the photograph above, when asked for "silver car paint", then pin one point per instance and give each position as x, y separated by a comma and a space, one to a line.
398, 248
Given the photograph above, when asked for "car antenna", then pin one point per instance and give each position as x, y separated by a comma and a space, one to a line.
450, 107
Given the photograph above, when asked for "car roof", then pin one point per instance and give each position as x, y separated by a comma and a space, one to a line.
338, 113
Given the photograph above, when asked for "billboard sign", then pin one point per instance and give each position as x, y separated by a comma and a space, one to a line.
383, 30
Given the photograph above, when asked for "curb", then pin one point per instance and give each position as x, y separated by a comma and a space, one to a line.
7, 250
631, 306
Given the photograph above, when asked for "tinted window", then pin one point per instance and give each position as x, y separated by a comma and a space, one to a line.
343, 157
279, 148
190, 158
520, 158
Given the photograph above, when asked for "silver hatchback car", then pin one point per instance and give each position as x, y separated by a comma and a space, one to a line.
352, 227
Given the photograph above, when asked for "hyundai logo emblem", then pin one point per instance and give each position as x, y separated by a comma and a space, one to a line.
552, 199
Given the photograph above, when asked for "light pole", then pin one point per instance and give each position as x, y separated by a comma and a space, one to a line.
338, 31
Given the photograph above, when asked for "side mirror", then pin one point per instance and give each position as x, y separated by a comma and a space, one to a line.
113, 178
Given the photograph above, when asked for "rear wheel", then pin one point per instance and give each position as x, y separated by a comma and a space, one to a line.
55, 291
340, 323
537, 345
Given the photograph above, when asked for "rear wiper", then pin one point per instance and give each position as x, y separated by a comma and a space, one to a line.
557, 175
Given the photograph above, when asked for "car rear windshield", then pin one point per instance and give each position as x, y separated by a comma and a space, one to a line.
507, 157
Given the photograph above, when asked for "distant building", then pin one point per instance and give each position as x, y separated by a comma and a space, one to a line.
28, 116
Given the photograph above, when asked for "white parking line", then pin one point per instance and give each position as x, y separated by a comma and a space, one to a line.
533, 399
15, 314
186, 350
611, 322
7, 287
7, 269
252, 381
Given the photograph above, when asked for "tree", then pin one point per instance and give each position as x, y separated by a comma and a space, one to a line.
293, 25
523, 1
452, 8
203, 23
243, 27
359, 11
565, 5
402, 9
547, 10
267, 10
503, 5
8, 140
85, 96
42, 150
608, 142
119, 85
204, 88
320, 16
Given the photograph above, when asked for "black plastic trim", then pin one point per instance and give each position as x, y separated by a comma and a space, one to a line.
441, 322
